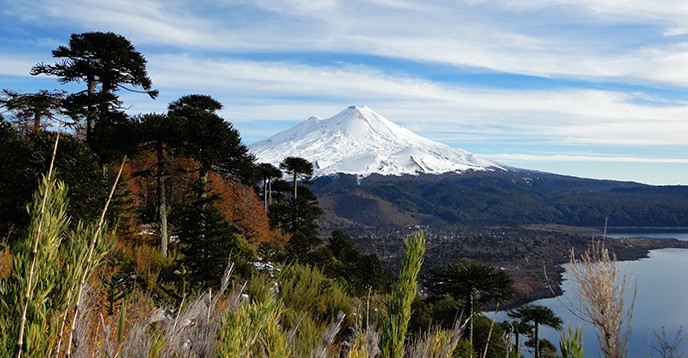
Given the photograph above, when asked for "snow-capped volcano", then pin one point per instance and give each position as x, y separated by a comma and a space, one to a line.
360, 141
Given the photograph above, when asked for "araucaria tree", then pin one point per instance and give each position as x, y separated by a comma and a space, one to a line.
268, 173
468, 280
106, 62
205, 237
207, 240
539, 315
206, 137
298, 215
297, 167
33, 111
157, 132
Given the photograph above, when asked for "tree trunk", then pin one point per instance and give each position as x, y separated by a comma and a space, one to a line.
537, 341
265, 192
202, 181
90, 117
162, 201
295, 185
269, 192
37, 121
469, 302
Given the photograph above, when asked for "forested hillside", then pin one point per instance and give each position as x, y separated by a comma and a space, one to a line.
509, 198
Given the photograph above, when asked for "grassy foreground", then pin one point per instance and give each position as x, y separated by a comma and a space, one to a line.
50, 308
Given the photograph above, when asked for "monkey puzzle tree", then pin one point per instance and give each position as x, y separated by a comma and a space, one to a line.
298, 217
206, 137
206, 241
268, 173
32, 111
474, 282
157, 132
539, 315
106, 62
28, 158
297, 167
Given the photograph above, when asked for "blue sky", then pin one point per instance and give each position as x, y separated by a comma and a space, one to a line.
591, 88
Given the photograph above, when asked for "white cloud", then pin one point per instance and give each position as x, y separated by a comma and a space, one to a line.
519, 157
567, 116
15, 66
507, 36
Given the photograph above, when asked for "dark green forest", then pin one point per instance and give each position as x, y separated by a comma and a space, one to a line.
506, 198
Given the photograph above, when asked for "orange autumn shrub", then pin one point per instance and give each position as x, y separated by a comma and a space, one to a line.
241, 206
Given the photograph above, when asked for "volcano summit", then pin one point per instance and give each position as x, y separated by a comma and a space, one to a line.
361, 142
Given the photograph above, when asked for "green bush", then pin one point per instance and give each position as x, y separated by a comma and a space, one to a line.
306, 289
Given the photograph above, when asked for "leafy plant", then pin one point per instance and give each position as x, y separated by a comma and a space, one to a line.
43, 291
571, 343
393, 330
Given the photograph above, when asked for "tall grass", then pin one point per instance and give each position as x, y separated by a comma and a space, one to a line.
51, 308
403, 293
437, 343
571, 343
39, 296
602, 290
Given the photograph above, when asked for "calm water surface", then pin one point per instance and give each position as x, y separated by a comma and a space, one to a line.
661, 300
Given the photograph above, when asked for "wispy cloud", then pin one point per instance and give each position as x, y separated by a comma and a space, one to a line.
508, 36
579, 74
15, 66
516, 157
563, 115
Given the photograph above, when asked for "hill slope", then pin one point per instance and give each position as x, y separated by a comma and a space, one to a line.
499, 198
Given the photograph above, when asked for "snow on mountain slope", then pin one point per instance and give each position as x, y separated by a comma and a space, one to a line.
360, 141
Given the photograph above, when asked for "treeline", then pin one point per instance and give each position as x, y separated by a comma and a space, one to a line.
509, 198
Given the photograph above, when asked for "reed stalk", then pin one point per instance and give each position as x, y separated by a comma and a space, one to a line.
98, 233
601, 290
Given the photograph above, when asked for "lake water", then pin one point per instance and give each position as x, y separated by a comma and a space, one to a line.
661, 300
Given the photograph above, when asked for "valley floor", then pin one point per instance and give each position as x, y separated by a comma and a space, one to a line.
531, 255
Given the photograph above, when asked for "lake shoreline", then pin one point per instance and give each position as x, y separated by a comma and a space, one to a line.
624, 249
525, 252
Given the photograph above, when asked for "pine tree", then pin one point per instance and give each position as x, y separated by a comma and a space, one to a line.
465, 280
539, 315
106, 62
297, 167
214, 143
33, 111
206, 241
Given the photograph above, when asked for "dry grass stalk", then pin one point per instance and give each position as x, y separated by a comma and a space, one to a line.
328, 336
98, 233
438, 343
668, 347
365, 343
601, 290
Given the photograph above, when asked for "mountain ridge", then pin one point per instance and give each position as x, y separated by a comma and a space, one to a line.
359, 141
361, 160
508, 198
